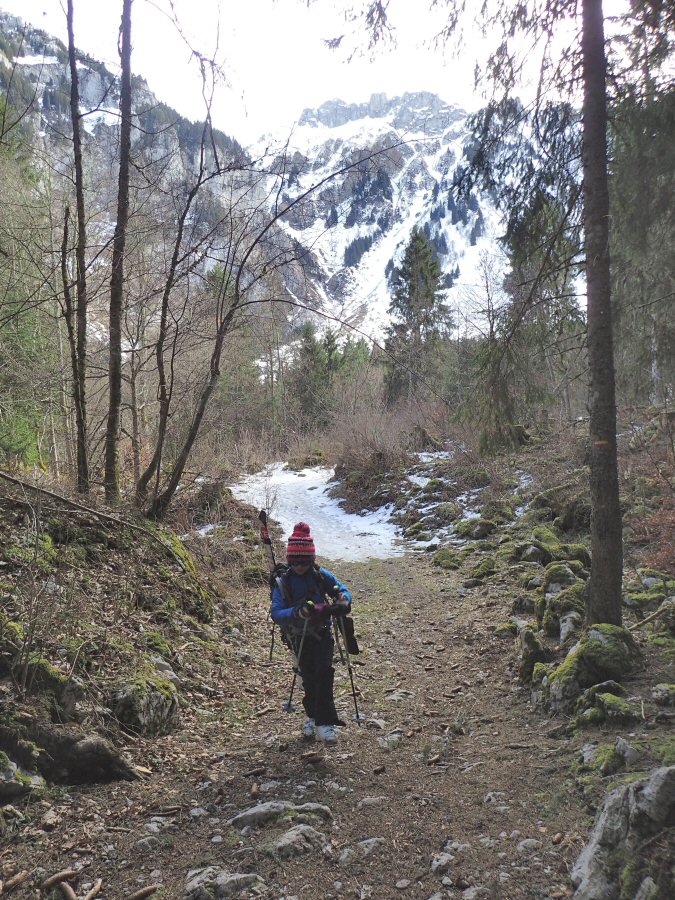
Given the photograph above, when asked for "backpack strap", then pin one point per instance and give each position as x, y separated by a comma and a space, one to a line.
278, 579
326, 586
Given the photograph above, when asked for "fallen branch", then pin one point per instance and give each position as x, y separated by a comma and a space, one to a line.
664, 608
58, 877
106, 517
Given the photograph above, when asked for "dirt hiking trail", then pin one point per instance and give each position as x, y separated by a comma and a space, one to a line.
451, 787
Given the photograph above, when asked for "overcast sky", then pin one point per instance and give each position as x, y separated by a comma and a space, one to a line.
272, 54
272, 51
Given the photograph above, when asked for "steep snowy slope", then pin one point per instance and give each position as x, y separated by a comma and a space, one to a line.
381, 168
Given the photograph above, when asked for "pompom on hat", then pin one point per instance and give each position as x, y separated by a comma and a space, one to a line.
300, 547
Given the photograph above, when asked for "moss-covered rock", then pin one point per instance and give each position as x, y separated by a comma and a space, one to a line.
606, 759
505, 550
532, 651
498, 511
546, 536
577, 552
587, 699
532, 552
415, 529
589, 718
446, 513
558, 607
157, 643
557, 577
11, 641
446, 559
665, 623
37, 553
652, 578
615, 709
16, 782
506, 629
41, 677
604, 652
474, 528
484, 569
148, 705
664, 694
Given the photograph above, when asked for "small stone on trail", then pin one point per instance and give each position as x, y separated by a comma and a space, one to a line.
441, 863
529, 844
378, 770
297, 841
370, 801
403, 883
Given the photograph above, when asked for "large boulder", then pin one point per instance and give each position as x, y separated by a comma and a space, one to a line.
64, 755
614, 862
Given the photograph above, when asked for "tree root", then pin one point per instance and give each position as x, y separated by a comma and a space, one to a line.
659, 612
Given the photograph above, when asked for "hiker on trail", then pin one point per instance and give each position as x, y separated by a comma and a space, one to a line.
300, 608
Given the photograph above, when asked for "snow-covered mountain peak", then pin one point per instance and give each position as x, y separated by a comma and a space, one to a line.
420, 111
380, 168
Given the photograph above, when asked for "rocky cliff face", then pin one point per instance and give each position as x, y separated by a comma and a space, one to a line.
380, 168
354, 179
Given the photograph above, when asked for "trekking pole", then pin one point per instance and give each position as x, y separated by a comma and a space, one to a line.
266, 541
337, 641
296, 668
349, 669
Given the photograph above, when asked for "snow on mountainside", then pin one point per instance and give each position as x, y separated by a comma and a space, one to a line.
381, 168
395, 160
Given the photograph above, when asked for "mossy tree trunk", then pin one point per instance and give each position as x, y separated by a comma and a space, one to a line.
604, 596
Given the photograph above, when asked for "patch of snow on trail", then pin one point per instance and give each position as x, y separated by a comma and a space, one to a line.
291, 497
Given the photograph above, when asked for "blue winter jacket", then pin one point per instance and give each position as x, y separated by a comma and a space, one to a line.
298, 589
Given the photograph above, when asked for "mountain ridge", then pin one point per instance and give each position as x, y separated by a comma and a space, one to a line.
396, 157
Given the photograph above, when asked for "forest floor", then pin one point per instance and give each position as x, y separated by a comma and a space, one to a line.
452, 785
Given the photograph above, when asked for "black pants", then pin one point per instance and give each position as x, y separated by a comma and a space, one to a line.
317, 673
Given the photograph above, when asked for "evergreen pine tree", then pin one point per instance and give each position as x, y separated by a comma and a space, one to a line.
420, 318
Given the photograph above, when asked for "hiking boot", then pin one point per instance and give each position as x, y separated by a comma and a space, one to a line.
308, 729
326, 733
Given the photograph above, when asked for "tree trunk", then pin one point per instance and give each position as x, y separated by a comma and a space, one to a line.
604, 599
111, 477
77, 386
161, 503
135, 430
63, 394
80, 371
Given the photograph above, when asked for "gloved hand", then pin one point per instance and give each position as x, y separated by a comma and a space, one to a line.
304, 611
341, 607
320, 611
315, 612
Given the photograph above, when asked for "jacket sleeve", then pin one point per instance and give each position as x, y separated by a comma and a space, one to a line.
338, 585
281, 614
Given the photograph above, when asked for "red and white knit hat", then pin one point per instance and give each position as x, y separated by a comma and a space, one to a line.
300, 545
